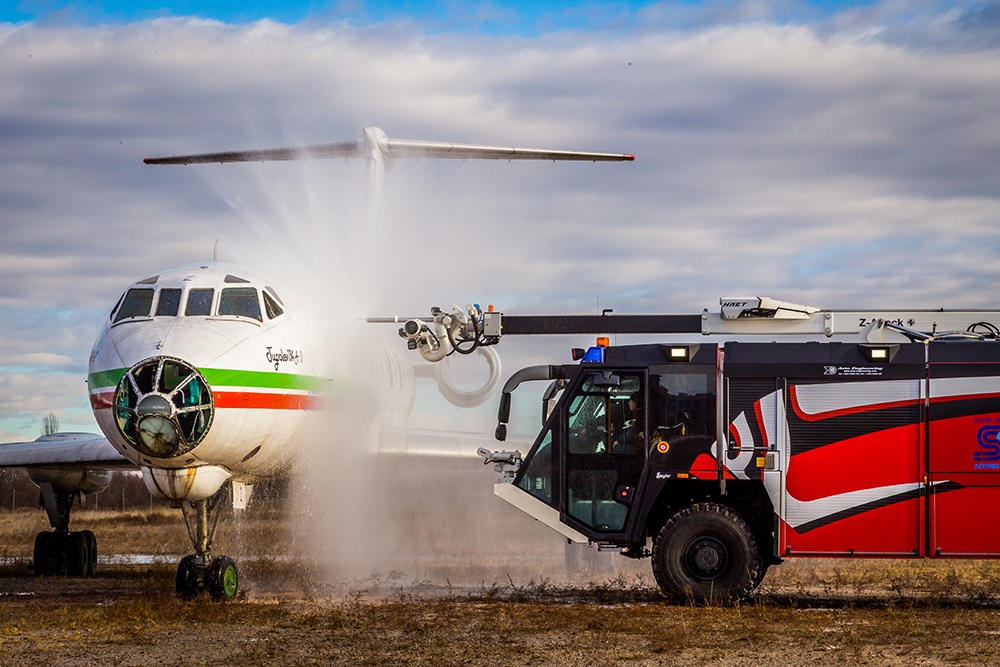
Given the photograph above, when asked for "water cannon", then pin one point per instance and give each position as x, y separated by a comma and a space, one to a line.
455, 331
506, 463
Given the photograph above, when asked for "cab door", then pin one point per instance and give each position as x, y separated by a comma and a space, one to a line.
604, 452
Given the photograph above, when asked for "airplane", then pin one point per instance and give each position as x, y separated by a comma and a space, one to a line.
205, 379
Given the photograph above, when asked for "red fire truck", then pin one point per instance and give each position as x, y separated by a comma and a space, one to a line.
718, 460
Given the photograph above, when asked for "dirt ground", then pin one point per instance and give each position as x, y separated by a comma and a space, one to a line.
487, 601
812, 614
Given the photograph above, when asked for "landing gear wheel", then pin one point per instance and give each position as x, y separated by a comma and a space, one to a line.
77, 556
708, 553
55, 557
223, 579
91, 552
188, 579
41, 555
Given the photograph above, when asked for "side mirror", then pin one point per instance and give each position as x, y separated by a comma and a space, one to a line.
501, 432
503, 414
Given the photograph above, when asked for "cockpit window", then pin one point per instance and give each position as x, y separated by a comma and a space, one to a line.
277, 298
120, 299
169, 303
230, 278
272, 308
199, 302
137, 303
240, 301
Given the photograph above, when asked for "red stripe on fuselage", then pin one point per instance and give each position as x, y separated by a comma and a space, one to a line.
234, 399
260, 401
104, 401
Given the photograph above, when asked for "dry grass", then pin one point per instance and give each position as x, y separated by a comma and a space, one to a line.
158, 531
131, 618
293, 612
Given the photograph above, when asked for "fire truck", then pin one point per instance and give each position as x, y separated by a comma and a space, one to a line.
719, 459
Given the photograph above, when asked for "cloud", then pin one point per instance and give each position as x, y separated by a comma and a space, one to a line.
848, 162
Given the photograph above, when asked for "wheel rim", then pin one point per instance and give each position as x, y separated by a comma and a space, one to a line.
706, 558
229, 581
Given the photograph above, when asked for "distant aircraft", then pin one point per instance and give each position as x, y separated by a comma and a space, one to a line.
204, 379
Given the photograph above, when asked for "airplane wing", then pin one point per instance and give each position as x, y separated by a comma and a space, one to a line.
313, 152
392, 148
64, 450
435, 149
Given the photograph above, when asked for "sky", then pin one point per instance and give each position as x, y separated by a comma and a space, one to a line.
841, 155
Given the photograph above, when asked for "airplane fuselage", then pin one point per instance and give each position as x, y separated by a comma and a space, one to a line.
203, 367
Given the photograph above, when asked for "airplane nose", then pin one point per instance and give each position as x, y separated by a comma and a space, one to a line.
163, 407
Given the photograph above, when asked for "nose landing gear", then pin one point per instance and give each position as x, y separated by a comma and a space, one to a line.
200, 572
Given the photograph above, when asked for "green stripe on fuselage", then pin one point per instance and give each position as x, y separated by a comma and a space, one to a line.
224, 377
221, 377
105, 378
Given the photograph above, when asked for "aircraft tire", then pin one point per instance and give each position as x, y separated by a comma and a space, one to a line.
91, 552
707, 553
56, 556
223, 579
188, 584
41, 554
77, 556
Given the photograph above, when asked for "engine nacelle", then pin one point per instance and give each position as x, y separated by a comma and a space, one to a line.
85, 480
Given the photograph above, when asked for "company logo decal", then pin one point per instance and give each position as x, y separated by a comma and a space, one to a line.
987, 456
852, 370
277, 356
662, 447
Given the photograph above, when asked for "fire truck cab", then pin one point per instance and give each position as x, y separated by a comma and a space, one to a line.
719, 460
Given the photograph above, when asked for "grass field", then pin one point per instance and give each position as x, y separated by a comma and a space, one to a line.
295, 612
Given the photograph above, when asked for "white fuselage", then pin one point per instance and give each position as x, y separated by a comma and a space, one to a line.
204, 367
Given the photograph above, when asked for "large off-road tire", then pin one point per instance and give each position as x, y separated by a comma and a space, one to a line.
77, 556
707, 553
222, 579
188, 581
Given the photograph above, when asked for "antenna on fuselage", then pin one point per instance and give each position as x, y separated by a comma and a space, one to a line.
215, 252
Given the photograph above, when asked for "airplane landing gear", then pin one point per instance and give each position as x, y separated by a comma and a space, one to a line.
63, 551
220, 578
199, 572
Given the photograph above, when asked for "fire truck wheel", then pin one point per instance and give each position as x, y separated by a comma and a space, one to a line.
708, 553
